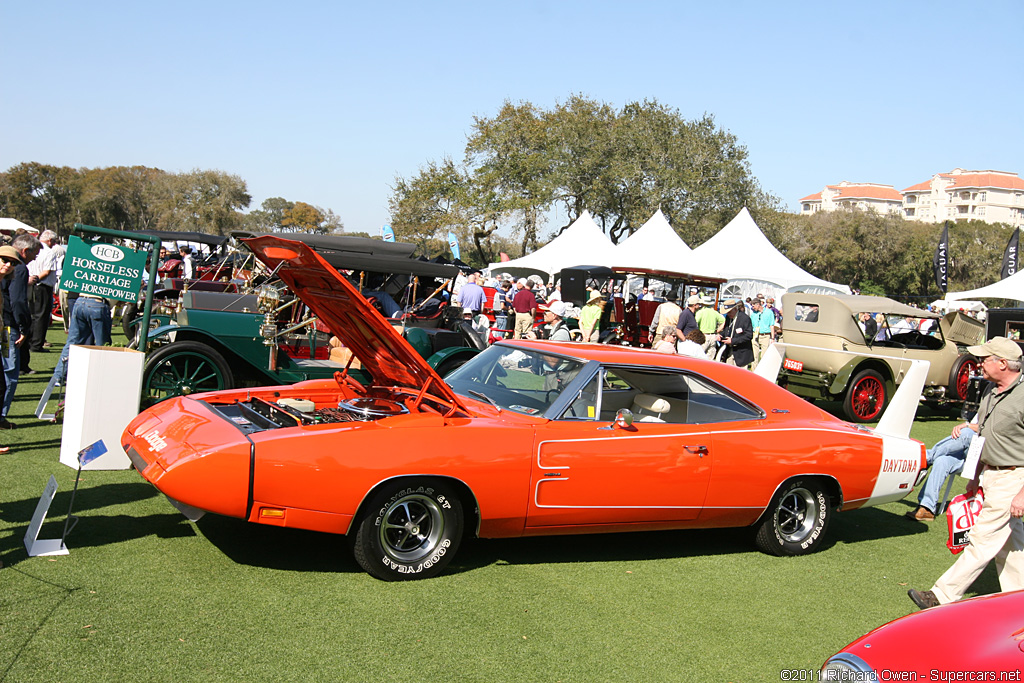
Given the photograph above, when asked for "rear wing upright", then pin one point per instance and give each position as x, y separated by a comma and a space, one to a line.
898, 417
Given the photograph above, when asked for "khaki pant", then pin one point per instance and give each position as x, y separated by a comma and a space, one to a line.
995, 535
761, 344
524, 323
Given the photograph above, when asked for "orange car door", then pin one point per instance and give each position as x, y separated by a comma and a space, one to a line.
584, 472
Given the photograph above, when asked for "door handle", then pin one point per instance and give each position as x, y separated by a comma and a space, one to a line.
700, 450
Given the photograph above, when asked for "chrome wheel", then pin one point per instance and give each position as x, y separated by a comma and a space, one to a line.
411, 528
796, 515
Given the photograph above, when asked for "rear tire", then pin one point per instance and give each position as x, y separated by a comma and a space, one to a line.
796, 521
866, 397
960, 376
128, 316
411, 530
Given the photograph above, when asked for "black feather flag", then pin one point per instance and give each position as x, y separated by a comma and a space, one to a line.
940, 264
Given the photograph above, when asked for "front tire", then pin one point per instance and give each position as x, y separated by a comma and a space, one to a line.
796, 521
411, 530
866, 397
183, 368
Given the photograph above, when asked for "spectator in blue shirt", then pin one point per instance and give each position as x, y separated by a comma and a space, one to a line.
762, 322
471, 296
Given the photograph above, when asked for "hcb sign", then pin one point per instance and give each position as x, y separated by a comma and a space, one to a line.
103, 270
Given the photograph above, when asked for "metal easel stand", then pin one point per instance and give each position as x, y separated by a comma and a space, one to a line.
45, 398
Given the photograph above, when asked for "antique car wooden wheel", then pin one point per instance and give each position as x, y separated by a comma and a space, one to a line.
184, 368
866, 397
411, 531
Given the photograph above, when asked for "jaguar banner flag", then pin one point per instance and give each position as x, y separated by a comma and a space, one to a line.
1010, 256
940, 264
387, 234
453, 242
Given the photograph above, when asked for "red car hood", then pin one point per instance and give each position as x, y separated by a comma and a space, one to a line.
982, 634
381, 350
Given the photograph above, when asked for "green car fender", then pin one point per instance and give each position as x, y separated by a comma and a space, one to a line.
446, 360
419, 341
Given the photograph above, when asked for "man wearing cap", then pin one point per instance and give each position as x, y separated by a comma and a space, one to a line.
554, 328
763, 322
998, 532
524, 303
590, 317
736, 335
710, 322
688, 318
17, 318
12, 335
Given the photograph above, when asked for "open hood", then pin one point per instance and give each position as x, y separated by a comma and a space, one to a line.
377, 345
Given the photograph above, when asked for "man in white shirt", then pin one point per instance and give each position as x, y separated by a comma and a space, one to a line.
42, 278
187, 263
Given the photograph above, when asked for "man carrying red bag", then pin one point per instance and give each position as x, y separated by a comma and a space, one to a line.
998, 531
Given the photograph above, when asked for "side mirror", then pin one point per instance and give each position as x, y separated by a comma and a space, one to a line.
624, 419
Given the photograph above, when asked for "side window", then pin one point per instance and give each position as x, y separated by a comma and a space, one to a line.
672, 398
587, 405
711, 403
806, 313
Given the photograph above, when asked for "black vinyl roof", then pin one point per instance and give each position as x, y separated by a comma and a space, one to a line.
365, 253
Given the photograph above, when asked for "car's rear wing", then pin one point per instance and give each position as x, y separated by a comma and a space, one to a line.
898, 417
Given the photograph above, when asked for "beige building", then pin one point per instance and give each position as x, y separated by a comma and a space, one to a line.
847, 195
991, 196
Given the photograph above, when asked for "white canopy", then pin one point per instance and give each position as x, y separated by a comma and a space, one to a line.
582, 244
945, 306
656, 246
1008, 288
12, 225
741, 253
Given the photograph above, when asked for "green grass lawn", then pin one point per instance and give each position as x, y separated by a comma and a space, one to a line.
145, 595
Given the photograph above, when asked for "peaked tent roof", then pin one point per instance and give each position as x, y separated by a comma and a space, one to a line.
13, 225
582, 243
1008, 288
656, 245
740, 251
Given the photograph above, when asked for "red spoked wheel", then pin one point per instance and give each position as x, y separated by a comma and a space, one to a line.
866, 397
960, 376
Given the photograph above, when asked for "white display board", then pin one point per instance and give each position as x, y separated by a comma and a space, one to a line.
33, 545
103, 388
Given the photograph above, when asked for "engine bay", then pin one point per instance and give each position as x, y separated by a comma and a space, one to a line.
257, 414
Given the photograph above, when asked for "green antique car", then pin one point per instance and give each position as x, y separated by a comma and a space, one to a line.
222, 340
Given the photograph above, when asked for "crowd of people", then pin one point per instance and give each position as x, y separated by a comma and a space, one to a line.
737, 332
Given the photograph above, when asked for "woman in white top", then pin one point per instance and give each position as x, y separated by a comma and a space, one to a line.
693, 345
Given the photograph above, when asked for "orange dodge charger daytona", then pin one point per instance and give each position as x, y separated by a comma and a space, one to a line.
527, 438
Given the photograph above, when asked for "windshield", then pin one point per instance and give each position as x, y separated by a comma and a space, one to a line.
524, 381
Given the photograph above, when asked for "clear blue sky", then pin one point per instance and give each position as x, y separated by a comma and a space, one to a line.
326, 102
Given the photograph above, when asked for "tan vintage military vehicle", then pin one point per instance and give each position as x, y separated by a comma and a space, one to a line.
896, 334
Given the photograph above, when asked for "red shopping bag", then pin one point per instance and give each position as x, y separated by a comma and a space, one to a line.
960, 516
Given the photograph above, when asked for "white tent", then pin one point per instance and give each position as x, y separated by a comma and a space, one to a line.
945, 306
581, 244
656, 246
12, 225
741, 253
1008, 288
